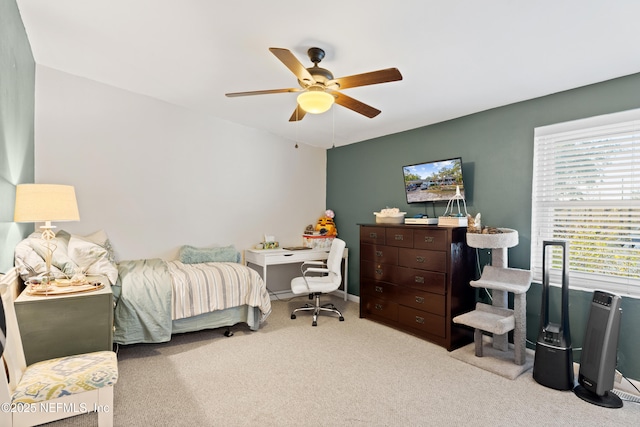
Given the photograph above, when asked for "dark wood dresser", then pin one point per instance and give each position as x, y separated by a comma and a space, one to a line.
416, 278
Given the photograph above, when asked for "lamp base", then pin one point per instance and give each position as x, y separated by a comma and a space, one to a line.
48, 235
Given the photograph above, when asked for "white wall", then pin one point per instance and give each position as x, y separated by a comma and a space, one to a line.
156, 176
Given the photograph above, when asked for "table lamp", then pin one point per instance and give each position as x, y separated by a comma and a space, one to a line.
46, 203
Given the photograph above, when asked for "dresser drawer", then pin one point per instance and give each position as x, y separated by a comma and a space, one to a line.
380, 307
424, 301
370, 234
430, 281
430, 239
422, 321
379, 289
400, 237
379, 254
423, 259
377, 271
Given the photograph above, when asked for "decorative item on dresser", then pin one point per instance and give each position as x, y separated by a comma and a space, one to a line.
416, 279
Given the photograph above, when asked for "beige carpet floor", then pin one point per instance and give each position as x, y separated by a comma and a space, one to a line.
351, 373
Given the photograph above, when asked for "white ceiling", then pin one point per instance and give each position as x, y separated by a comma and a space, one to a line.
457, 57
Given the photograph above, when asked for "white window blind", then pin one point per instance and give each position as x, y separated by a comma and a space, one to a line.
586, 190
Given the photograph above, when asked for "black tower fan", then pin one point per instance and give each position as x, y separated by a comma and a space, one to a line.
599, 352
553, 361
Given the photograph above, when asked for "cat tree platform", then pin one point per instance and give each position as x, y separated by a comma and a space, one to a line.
498, 319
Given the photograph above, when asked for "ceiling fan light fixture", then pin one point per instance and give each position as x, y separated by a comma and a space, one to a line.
315, 101
319, 90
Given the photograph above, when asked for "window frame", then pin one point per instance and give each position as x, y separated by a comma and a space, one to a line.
546, 195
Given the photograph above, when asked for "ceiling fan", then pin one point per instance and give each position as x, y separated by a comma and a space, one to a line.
319, 89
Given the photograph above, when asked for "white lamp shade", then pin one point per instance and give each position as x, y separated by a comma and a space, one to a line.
315, 101
45, 202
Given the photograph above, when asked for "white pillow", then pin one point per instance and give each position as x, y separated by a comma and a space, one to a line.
100, 238
29, 263
92, 258
60, 256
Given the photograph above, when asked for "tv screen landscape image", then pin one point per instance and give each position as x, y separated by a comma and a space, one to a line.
433, 181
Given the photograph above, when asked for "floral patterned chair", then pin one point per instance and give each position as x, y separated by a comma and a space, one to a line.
51, 389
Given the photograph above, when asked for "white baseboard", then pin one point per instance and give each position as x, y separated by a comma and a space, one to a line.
277, 295
624, 385
354, 298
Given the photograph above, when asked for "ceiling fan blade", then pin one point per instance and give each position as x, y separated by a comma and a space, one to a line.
355, 105
263, 92
371, 78
298, 114
292, 63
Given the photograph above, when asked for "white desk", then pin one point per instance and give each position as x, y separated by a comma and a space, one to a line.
266, 257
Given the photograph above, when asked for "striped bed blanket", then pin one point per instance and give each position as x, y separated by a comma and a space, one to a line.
151, 294
201, 288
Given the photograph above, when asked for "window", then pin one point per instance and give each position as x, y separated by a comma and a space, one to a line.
586, 190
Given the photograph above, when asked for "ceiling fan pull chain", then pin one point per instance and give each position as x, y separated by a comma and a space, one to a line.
333, 131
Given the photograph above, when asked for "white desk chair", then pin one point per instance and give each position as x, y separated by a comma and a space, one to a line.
51, 389
314, 285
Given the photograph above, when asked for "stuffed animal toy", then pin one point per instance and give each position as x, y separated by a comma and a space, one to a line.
325, 225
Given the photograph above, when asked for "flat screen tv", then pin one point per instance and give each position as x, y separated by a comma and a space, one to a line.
433, 181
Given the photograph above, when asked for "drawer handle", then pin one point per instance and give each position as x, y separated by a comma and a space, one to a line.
420, 300
420, 320
378, 306
373, 235
379, 271
378, 253
420, 259
399, 237
379, 289
419, 279
429, 239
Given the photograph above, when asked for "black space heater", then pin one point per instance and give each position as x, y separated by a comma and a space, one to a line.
553, 361
600, 352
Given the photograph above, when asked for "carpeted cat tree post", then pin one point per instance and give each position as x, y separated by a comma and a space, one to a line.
497, 318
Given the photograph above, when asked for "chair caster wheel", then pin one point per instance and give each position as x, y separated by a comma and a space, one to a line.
341, 319
293, 316
314, 323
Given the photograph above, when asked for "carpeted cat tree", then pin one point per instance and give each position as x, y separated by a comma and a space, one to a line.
497, 355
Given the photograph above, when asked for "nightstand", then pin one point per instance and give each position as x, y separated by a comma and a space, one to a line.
63, 325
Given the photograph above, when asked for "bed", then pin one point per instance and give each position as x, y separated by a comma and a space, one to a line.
156, 298
205, 288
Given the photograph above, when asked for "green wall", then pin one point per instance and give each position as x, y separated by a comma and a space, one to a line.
496, 147
17, 100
